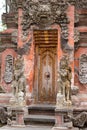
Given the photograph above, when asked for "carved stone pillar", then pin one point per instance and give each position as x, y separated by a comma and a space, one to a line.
70, 13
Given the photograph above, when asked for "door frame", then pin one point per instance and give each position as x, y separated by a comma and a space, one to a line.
59, 53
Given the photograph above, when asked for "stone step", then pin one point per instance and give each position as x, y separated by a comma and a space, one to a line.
41, 109
43, 114
39, 119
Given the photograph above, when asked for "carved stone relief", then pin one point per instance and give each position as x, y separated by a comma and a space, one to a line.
64, 81
12, 5
78, 3
45, 13
65, 46
83, 69
14, 37
80, 120
81, 4
8, 75
19, 83
4, 116
25, 49
76, 16
76, 35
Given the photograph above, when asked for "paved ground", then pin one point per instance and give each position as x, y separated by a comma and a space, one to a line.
30, 127
27, 128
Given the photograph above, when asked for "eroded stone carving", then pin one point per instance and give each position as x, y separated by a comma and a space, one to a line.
76, 35
80, 120
44, 13
14, 36
8, 75
76, 16
83, 69
12, 5
25, 49
81, 4
78, 3
64, 82
19, 82
4, 116
75, 97
65, 46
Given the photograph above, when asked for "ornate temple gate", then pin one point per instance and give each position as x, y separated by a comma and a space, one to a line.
45, 65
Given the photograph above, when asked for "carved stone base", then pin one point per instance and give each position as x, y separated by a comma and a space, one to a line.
59, 116
19, 115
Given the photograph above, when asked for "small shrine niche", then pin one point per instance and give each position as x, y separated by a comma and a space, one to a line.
83, 69
8, 74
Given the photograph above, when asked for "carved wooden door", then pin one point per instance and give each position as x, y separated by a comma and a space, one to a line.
46, 74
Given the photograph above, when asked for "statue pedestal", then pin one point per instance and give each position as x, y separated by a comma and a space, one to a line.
60, 114
18, 113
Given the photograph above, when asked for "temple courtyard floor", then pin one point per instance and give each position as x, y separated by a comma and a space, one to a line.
30, 127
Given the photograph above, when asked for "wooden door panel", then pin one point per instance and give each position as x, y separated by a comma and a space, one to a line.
46, 76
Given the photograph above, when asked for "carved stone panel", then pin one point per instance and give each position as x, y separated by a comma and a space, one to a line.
8, 74
83, 69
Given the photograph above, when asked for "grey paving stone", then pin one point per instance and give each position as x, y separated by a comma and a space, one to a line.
27, 128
